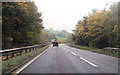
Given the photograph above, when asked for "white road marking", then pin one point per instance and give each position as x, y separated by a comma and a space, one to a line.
68, 50
24, 66
73, 53
88, 62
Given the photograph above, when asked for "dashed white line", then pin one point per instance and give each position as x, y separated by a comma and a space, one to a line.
68, 50
73, 53
83, 59
88, 62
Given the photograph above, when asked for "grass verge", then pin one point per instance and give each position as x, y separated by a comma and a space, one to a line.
10, 64
97, 50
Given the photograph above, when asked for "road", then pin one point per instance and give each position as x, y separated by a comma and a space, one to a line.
64, 59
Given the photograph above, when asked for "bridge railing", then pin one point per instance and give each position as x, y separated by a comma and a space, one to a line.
10, 53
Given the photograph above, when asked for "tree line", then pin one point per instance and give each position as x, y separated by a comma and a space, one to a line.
59, 35
99, 29
21, 24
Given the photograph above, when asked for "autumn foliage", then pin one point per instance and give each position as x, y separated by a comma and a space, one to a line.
21, 24
100, 29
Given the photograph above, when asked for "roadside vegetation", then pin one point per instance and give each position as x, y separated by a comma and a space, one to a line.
11, 64
99, 29
59, 35
21, 25
97, 50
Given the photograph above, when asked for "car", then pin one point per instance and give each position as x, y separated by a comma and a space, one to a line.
55, 44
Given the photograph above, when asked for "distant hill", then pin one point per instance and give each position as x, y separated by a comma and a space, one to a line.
58, 34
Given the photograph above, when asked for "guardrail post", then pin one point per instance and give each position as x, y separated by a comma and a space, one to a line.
6, 56
20, 52
12, 54
29, 50
25, 51
118, 53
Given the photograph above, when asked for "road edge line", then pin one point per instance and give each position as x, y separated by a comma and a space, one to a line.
28, 63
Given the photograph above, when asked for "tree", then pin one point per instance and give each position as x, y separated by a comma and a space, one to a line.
69, 38
100, 29
22, 24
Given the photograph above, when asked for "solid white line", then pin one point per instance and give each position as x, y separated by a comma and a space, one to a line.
68, 50
73, 53
88, 62
24, 66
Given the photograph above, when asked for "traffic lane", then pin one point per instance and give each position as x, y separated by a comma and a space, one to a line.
57, 60
63, 64
78, 64
41, 63
108, 64
81, 65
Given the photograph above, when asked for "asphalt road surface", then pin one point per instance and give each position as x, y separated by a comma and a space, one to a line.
64, 59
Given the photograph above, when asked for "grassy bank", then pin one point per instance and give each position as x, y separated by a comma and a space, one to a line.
95, 50
10, 64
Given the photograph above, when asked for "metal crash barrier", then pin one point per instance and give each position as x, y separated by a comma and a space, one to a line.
10, 53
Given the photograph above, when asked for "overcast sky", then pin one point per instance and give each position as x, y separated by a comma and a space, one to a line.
64, 14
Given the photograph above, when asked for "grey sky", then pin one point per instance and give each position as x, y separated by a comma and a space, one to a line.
64, 14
